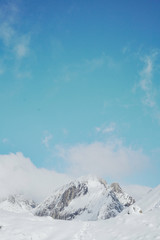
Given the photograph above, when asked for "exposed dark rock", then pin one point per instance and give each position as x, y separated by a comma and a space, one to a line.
86, 199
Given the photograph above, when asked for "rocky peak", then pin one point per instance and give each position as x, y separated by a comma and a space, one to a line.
87, 198
123, 197
116, 188
73, 191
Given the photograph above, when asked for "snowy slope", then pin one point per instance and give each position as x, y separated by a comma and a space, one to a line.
88, 198
150, 200
17, 203
136, 191
24, 226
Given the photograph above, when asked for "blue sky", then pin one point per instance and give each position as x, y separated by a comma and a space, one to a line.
80, 86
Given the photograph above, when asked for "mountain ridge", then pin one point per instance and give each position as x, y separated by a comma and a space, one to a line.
17, 203
87, 198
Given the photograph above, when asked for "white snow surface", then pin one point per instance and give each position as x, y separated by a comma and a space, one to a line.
136, 191
133, 209
150, 200
18, 223
25, 226
17, 203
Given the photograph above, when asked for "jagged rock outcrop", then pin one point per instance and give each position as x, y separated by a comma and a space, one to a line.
123, 197
88, 198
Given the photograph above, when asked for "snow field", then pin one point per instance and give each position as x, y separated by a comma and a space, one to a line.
25, 226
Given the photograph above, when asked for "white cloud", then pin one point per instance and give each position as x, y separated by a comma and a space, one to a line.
19, 175
146, 80
106, 129
111, 159
21, 50
47, 139
6, 33
13, 40
110, 128
148, 83
98, 129
7, 17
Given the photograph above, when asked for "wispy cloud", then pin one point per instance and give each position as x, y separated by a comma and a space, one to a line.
5, 140
16, 45
46, 140
98, 62
6, 33
22, 47
93, 64
87, 66
8, 17
110, 159
106, 129
146, 82
127, 48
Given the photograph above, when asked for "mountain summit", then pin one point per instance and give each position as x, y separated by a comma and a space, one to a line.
87, 198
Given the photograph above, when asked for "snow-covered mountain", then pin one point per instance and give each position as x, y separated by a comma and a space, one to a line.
85, 199
150, 200
136, 191
88, 198
17, 203
96, 200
